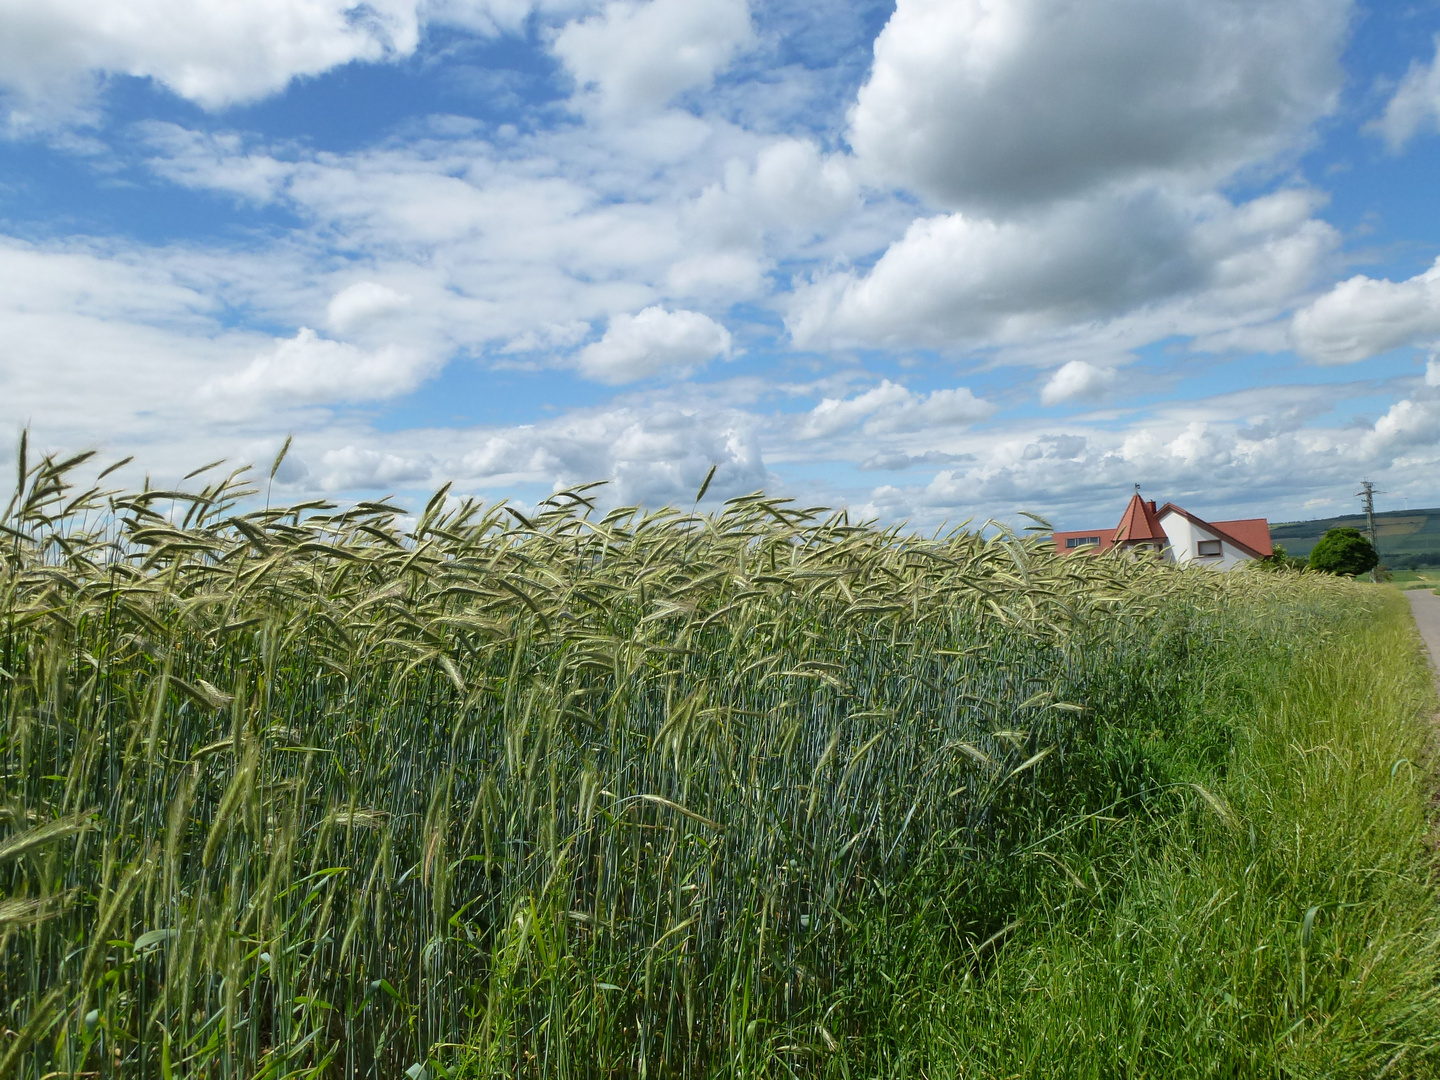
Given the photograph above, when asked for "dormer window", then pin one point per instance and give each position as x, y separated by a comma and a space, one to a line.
1207, 548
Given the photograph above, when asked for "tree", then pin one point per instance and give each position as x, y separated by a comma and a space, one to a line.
1280, 559
1343, 551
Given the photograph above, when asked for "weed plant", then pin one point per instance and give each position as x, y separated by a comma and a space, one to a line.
308, 792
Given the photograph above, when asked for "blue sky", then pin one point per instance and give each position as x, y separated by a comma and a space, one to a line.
930, 260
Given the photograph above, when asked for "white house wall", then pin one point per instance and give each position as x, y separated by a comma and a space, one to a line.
1185, 536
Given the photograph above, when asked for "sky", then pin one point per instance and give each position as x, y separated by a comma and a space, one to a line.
930, 261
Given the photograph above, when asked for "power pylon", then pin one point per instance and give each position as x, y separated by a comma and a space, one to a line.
1367, 494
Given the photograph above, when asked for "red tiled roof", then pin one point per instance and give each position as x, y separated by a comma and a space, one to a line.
1251, 532
1107, 540
1140, 524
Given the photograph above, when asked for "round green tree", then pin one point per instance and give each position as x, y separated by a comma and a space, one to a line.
1343, 551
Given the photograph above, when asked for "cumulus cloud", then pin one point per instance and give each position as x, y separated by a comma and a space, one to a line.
791, 185
1065, 218
358, 467
1405, 425
1078, 381
652, 342
215, 53
518, 246
1363, 316
363, 303
1256, 451
652, 455
892, 408
956, 279
1415, 104
640, 55
1081, 149
732, 274
109, 347
308, 369
999, 102
1432, 372
212, 52
787, 190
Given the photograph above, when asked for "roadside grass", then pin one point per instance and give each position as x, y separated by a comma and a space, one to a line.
1276, 919
1415, 579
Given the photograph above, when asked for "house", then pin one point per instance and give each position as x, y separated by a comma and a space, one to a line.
1177, 535
1220, 545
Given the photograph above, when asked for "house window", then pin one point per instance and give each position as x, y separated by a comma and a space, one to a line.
1208, 547
1080, 541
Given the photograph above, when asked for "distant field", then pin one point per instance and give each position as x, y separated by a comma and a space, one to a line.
1409, 539
1416, 579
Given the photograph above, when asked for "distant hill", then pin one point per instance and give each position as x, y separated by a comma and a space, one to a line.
1408, 538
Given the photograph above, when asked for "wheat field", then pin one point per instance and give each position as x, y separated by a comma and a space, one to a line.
302, 791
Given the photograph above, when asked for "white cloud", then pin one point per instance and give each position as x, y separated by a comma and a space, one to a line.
1270, 450
308, 369
955, 280
363, 303
651, 342
495, 242
640, 55
1209, 466
792, 185
1078, 381
1405, 425
55, 54
786, 194
212, 52
1415, 104
1432, 371
351, 467
1001, 102
105, 344
516, 245
730, 274
834, 415
892, 408
219, 161
652, 454
550, 337
791, 189
1361, 317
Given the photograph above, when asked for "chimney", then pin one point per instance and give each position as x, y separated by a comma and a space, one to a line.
1151, 504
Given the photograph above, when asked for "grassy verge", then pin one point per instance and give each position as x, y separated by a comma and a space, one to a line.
1278, 920
1415, 579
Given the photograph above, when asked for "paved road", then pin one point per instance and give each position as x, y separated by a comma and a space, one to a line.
1426, 606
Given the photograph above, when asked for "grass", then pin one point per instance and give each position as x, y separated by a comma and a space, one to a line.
301, 792
1415, 579
1281, 924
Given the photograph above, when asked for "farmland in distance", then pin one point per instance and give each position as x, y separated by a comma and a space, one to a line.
1408, 539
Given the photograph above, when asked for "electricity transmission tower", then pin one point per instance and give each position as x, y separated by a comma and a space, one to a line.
1367, 494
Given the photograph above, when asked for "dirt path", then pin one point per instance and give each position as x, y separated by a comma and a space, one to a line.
1426, 606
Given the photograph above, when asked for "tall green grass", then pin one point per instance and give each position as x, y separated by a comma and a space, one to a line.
1284, 924
302, 792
